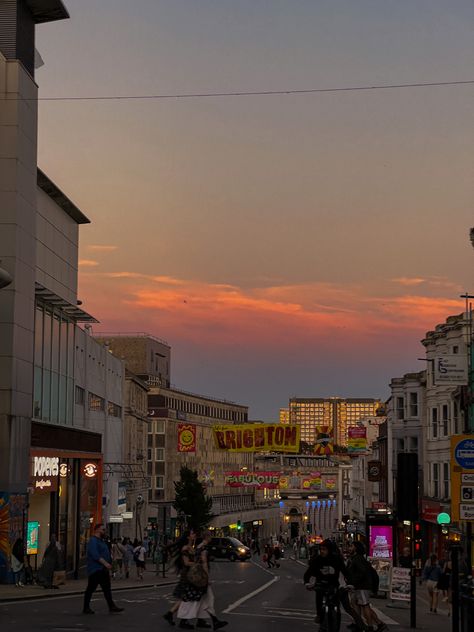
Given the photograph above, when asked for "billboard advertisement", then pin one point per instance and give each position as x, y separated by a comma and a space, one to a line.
324, 444
381, 541
356, 440
258, 480
32, 538
257, 438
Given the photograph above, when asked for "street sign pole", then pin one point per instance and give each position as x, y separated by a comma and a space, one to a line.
412, 577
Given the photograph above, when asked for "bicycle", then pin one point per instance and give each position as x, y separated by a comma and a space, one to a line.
331, 612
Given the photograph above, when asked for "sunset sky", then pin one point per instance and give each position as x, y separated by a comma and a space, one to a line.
283, 245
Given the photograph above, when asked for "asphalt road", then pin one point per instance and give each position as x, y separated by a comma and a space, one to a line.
251, 598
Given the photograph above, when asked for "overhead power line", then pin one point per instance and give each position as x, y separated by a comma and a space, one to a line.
250, 93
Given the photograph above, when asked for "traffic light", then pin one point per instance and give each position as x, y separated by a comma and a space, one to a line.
407, 486
239, 525
418, 539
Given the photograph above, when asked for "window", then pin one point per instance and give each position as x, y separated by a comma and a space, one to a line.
80, 396
436, 480
434, 423
96, 403
455, 349
160, 426
445, 419
413, 404
159, 454
114, 410
455, 418
413, 442
400, 408
445, 480
159, 482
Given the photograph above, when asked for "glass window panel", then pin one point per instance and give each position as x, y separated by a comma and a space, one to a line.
70, 400
54, 396
37, 396
63, 348
39, 336
47, 340
62, 398
70, 351
46, 413
55, 344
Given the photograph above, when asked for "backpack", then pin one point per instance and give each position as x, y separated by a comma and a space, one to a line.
136, 554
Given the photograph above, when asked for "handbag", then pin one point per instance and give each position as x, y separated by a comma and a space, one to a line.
197, 576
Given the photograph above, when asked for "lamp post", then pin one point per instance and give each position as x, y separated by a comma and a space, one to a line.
5, 278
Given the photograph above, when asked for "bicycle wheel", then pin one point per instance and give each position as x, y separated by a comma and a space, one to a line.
333, 619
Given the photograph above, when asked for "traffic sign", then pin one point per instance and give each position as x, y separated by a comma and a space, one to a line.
443, 518
467, 478
464, 454
467, 494
466, 512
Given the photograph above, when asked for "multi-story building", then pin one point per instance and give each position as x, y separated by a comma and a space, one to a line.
310, 497
169, 409
329, 416
284, 415
446, 415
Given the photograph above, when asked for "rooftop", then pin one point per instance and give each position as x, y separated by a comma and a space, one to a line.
129, 334
55, 193
47, 10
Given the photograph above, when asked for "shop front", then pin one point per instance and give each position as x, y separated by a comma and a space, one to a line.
435, 538
65, 493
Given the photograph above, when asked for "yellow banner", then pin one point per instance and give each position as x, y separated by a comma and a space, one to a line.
257, 438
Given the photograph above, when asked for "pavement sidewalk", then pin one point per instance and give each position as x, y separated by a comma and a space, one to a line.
10, 593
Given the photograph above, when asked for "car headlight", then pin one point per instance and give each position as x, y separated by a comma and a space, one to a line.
241, 549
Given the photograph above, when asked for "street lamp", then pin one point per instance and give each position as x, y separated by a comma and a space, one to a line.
5, 278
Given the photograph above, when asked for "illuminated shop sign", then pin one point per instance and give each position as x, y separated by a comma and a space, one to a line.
44, 473
90, 470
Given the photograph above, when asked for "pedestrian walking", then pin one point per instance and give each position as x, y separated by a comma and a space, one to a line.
206, 603
18, 562
268, 556
51, 563
187, 594
431, 575
118, 551
405, 559
444, 583
139, 556
257, 547
127, 556
277, 555
359, 575
99, 564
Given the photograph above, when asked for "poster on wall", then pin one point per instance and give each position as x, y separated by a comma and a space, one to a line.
257, 438
381, 541
32, 538
400, 584
356, 440
186, 438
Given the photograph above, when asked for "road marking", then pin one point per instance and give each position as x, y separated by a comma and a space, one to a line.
272, 616
384, 617
242, 600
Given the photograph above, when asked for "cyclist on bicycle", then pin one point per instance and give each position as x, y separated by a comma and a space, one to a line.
326, 568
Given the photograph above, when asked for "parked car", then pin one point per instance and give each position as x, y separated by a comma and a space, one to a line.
229, 549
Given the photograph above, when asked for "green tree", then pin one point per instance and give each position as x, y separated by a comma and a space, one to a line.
191, 499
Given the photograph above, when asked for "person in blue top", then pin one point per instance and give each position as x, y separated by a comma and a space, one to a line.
99, 564
432, 575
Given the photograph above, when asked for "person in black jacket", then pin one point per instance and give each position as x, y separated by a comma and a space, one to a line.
359, 576
326, 568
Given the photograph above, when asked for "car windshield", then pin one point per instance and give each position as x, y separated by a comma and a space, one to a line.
236, 542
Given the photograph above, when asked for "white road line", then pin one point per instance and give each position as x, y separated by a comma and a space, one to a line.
242, 600
271, 616
384, 617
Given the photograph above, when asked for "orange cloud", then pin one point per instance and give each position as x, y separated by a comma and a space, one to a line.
102, 247
88, 263
314, 314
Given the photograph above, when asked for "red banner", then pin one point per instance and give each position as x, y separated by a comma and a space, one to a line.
186, 438
259, 480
